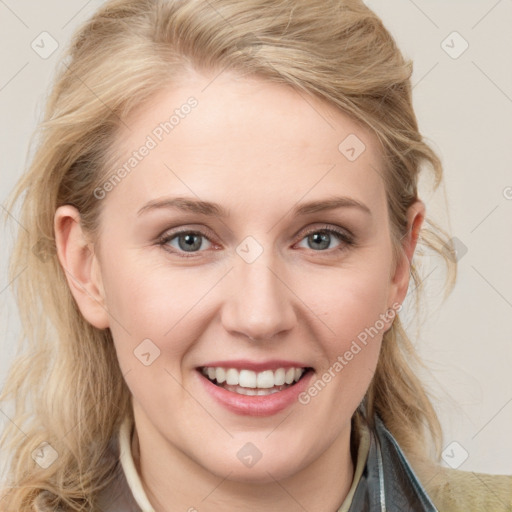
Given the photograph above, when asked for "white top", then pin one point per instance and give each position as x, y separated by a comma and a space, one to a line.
130, 471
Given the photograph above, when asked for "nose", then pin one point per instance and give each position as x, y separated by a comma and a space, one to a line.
259, 304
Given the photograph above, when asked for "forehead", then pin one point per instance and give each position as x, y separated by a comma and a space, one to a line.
237, 137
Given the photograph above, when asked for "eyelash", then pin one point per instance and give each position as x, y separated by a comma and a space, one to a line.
347, 239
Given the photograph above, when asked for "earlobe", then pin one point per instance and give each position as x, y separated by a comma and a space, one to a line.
415, 218
81, 267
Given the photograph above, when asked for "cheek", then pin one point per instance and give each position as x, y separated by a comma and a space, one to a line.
353, 301
352, 307
144, 292
147, 301
151, 330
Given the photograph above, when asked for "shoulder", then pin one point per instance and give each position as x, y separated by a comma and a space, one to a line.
454, 490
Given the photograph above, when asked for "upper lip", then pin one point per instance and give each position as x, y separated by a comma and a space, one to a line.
245, 364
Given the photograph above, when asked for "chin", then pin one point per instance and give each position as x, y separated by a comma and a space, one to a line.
263, 471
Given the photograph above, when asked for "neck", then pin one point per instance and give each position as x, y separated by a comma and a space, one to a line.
173, 481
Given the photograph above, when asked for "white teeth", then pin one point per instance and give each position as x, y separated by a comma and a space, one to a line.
279, 376
220, 375
232, 377
253, 391
265, 379
249, 379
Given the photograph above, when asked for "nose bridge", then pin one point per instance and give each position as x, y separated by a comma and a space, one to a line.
259, 304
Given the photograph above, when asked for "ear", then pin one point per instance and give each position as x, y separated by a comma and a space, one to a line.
80, 264
400, 279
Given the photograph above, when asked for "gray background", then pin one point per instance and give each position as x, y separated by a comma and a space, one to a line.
464, 107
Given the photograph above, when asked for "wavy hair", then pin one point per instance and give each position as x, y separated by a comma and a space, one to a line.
66, 382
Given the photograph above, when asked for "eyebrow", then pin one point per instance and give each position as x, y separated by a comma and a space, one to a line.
216, 210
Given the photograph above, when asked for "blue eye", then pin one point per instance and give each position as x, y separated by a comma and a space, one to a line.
323, 237
186, 243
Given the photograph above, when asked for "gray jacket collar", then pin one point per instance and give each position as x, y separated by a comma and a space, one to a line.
388, 482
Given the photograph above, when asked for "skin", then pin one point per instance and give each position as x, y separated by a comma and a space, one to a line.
257, 149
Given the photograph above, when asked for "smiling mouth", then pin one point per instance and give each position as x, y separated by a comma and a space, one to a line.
248, 382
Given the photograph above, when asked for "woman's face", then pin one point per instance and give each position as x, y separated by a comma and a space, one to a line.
250, 270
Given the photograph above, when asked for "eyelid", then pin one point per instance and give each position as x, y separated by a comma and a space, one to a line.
172, 232
342, 231
347, 238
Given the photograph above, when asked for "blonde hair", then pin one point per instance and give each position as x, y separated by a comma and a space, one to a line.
67, 370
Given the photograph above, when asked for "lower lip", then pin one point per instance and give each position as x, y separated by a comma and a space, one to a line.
256, 405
